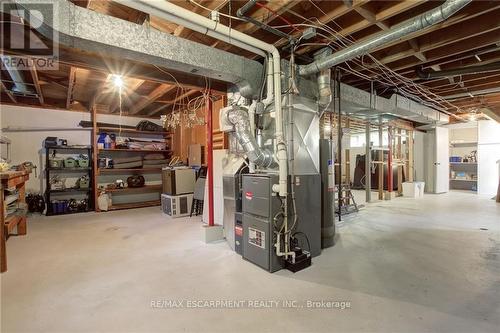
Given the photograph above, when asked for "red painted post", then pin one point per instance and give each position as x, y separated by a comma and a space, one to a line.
210, 162
389, 161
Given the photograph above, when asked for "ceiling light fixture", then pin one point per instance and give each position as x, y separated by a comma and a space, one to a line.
118, 81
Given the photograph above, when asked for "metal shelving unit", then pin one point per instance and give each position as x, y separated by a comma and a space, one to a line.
468, 168
49, 171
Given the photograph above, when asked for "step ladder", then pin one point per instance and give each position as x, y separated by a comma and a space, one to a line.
348, 204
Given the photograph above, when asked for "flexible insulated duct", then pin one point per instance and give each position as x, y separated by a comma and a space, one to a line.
410, 26
239, 118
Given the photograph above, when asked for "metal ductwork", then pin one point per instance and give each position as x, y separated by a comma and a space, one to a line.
238, 117
458, 71
410, 26
324, 80
360, 104
87, 30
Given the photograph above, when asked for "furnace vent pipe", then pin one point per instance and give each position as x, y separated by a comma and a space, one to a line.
174, 13
410, 26
239, 118
324, 80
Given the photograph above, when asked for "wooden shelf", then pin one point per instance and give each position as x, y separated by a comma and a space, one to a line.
134, 205
136, 150
130, 130
143, 170
463, 180
12, 220
463, 144
463, 163
145, 188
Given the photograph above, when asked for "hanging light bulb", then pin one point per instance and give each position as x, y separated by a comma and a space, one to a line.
118, 80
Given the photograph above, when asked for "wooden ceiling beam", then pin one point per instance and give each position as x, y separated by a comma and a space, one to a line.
82, 3
7, 92
178, 98
36, 83
279, 7
132, 69
439, 55
472, 88
440, 85
335, 12
470, 12
449, 50
358, 26
184, 32
448, 36
127, 93
159, 91
98, 92
71, 85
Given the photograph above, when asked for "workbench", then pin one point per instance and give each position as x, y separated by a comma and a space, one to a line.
16, 220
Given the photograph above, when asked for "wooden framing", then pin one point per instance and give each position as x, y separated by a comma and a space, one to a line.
453, 43
11, 179
71, 85
36, 83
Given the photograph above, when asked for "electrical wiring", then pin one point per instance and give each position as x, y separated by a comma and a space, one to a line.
210, 10
185, 108
385, 76
290, 25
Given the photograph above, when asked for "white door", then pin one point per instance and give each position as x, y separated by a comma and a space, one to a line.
441, 160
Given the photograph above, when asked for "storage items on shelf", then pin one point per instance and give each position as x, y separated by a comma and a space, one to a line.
36, 203
463, 162
69, 186
124, 158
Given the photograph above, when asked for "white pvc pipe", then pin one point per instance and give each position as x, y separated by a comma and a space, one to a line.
192, 26
173, 12
270, 83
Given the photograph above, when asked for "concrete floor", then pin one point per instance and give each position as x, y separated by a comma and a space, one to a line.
405, 266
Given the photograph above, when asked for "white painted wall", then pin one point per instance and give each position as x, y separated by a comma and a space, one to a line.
27, 145
488, 153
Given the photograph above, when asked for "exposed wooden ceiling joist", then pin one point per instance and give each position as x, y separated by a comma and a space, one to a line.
159, 91
71, 85
36, 83
7, 92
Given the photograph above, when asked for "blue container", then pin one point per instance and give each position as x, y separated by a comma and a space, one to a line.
54, 206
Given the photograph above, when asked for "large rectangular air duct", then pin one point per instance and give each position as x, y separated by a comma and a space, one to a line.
359, 103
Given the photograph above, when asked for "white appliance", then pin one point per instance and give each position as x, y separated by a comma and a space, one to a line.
437, 156
178, 180
176, 205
